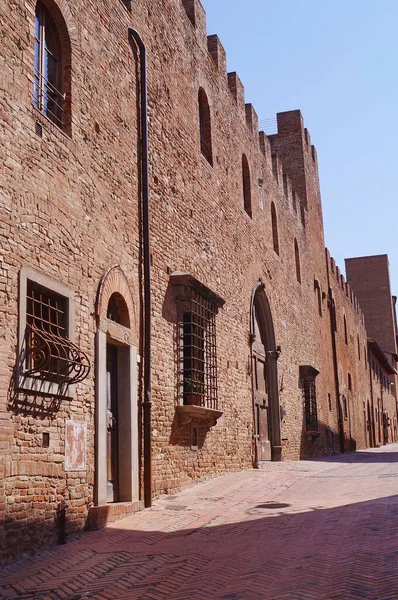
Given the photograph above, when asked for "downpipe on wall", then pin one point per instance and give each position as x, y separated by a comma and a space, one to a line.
147, 403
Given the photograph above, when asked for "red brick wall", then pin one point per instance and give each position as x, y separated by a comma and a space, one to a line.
369, 277
70, 209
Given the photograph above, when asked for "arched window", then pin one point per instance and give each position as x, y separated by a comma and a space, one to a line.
345, 331
297, 258
117, 310
205, 126
274, 221
318, 291
51, 81
247, 197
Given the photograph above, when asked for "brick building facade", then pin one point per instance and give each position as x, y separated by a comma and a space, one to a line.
259, 348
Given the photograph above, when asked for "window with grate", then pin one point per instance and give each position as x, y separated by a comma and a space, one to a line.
308, 377
199, 350
46, 323
49, 362
51, 79
197, 309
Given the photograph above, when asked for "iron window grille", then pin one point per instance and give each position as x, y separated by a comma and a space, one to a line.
197, 345
48, 96
308, 376
49, 354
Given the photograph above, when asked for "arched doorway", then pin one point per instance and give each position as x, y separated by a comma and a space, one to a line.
371, 427
117, 465
264, 356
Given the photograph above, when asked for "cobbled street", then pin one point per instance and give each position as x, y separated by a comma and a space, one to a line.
324, 529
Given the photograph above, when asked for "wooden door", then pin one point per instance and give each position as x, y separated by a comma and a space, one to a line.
112, 425
261, 399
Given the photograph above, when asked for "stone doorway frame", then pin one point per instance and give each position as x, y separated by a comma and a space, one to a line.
259, 297
123, 336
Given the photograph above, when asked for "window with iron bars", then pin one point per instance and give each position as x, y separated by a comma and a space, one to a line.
49, 354
199, 352
197, 346
308, 375
48, 95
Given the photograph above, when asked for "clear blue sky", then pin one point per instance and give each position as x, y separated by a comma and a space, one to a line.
335, 60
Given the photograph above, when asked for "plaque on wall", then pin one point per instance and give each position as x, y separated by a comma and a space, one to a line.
75, 445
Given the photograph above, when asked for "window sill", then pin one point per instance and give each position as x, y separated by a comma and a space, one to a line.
43, 387
50, 126
186, 414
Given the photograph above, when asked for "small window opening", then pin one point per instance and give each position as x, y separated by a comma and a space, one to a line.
330, 401
246, 186
319, 296
46, 440
294, 199
39, 129
349, 382
194, 438
345, 331
345, 408
285, 186
260, 194
297, 258
205, 126
274, 222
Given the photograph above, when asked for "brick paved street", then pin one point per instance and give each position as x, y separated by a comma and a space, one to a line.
310, 530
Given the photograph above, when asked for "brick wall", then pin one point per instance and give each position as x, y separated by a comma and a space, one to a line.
70, 209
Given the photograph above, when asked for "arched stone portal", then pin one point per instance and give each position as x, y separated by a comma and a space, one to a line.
117, 464
264, 356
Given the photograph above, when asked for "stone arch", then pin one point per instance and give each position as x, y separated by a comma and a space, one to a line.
65, 30
117, 438
263, 342
114, 283
63, 17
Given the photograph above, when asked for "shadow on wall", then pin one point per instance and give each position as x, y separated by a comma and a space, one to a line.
189, 435
269, 551
30, 404
326, 441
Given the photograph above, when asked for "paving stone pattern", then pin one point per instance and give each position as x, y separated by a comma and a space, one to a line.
323, 529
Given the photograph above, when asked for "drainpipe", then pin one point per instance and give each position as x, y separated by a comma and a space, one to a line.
147, 404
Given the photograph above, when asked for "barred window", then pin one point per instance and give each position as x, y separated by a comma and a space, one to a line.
308, 375
197, 309
49, 361
51, 77
49, 352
